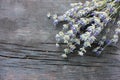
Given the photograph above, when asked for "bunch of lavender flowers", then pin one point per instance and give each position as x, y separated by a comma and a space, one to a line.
84, 22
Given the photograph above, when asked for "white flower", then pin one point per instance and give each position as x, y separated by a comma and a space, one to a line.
96, 19
95, 3
104, 38
96, 12
67, 18
117, 30
118, 23
80, 53
73, 20
96, 49
114, 10
66, 50
57, 45
87, 33
79, 13
87, 9
71, 10
73, 4
77, 41
115, 40
80, 3
61, 33
84, 21
70, 32
55, 16
91, 28
106, 20
83, 49
65, 26
110, 5
72, 47
87, 44
85, 36
64, 55
87, 3
98, 29
100, 3
65, 41
76, 8
48, 15
66, 37
109, 0
104, 14
83, 11
101, 24
75, 25
101, 42
92, 39
115, 36
60, 18
108, 30
57, 37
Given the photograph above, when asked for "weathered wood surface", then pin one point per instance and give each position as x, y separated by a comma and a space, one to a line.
27, 46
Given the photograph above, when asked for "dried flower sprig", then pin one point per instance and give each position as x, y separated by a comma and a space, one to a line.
84, 22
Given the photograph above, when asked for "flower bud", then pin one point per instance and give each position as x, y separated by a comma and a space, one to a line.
64, 55
87, 44
80, 53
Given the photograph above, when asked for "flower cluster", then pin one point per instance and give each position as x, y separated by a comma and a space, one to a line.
84, 22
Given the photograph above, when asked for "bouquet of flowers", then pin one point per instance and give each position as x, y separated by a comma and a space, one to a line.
84, 22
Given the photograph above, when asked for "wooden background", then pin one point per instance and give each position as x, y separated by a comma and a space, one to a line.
27, 46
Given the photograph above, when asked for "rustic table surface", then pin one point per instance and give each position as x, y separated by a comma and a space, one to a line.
27, 46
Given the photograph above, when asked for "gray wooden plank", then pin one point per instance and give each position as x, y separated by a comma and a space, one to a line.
27, 46
27, 69
21, 61
25, 21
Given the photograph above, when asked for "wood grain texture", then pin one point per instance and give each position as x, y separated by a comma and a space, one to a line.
27, 46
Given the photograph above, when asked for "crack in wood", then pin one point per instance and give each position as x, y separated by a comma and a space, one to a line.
70, 63
38, 50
